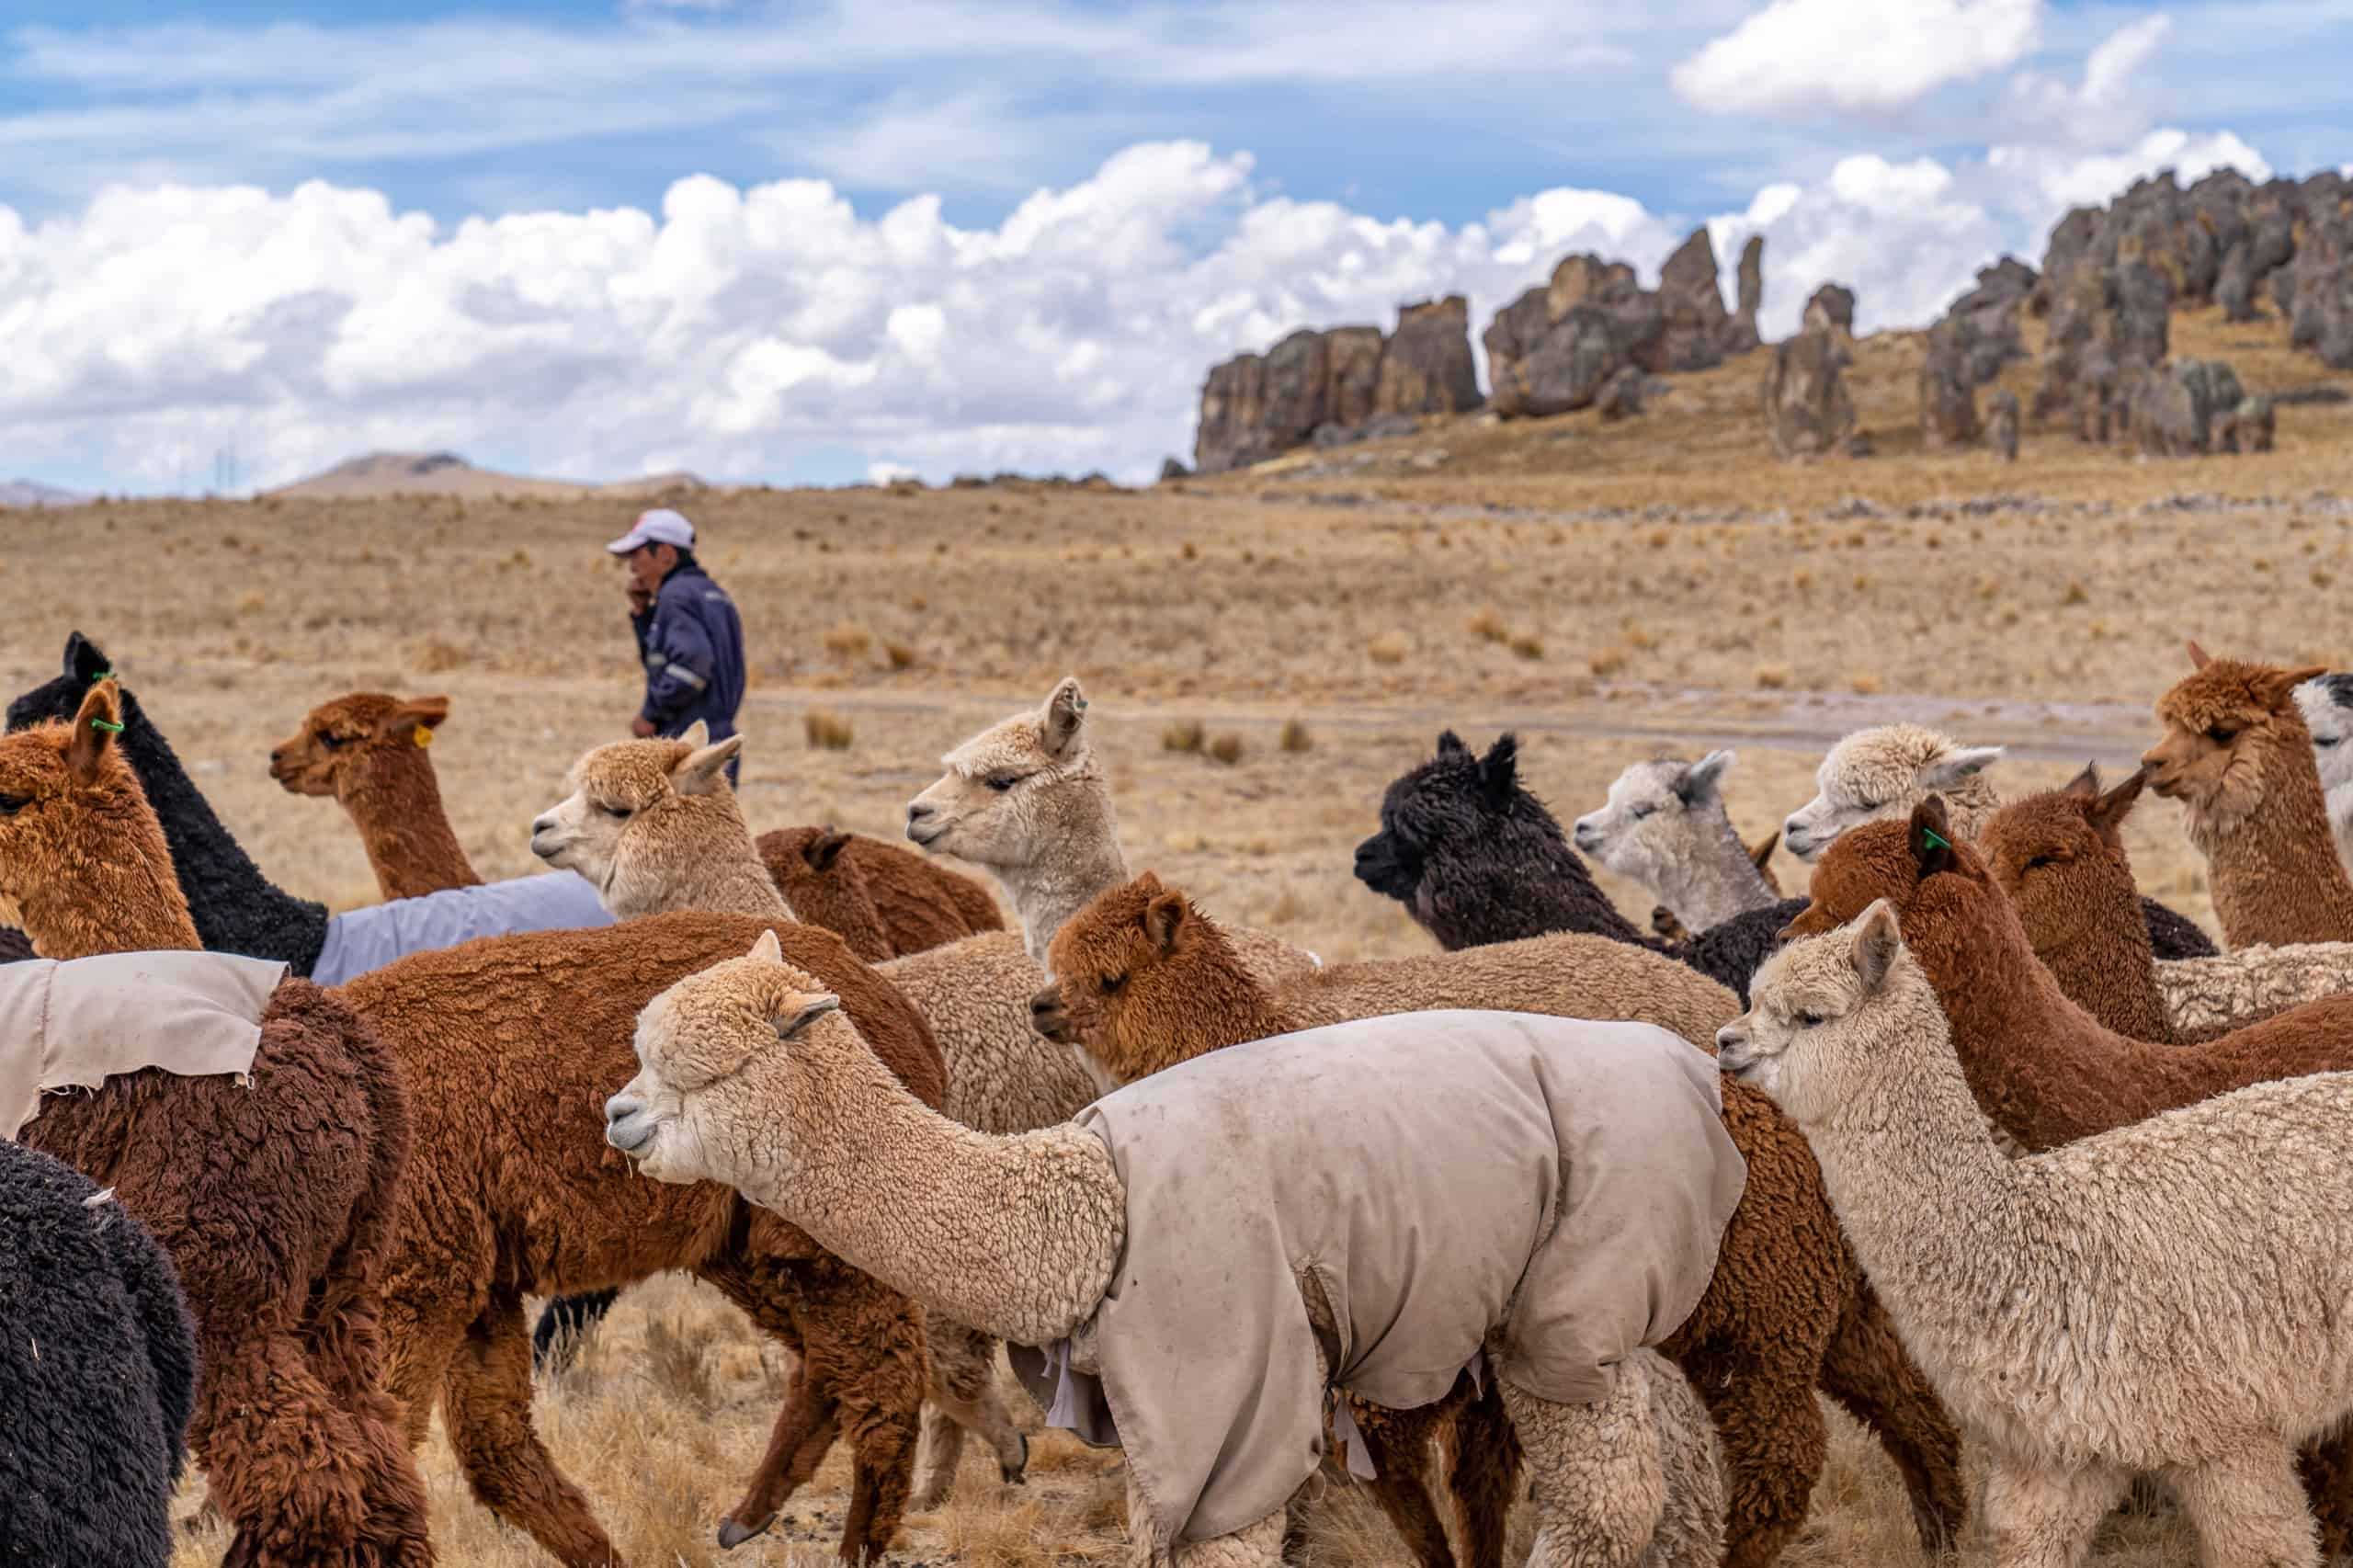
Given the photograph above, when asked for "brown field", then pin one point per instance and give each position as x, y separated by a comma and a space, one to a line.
1605, 591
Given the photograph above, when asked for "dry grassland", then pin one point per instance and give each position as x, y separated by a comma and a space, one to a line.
1303, 631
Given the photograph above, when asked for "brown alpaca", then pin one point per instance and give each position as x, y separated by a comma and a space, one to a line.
1144, 981
899, 902
367, 750
507, 1047
2236, 753
272, 1197
2043, 1070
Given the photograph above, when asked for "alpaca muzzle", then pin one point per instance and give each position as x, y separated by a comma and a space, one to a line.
1048, 1016
627, 1125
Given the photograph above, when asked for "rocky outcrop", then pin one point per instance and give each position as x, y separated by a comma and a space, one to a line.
1256, 406
2172, 411
1967, 347
1833, 305
2249, 427
1807, 411
1554, 348
2108, 321
2002, 424
1624, 395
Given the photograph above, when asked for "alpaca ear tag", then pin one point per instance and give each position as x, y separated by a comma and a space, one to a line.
423, 736
109, 725
1935, 840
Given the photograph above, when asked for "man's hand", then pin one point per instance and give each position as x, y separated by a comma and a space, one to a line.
641, 727
640, 600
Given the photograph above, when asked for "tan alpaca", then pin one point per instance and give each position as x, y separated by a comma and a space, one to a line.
2236, 753
654, 825
366, 751
750, 1074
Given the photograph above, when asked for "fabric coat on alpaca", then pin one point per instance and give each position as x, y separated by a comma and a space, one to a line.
1554, 1198
97, 1374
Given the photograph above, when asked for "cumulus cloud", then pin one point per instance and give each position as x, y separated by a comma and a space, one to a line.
741, 329
1800, 57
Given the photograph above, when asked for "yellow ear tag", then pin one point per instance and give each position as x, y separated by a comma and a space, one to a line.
424, 736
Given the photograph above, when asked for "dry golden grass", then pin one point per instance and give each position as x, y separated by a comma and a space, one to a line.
1691, 592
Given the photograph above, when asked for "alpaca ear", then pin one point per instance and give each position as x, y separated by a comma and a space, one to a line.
415, 715
768, 947
95, 725
2084, 786
1877, 939
1499, 769
1963, 762
2109, 813
1931, 838
812, 1008
704, 771
697, 734
1164, 918
1059, 722
1762, 851
822, 850
1699, 780
2279, 687
2198, 659
1449, 744
84, 661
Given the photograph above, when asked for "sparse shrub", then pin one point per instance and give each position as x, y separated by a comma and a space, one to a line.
673, 1361
252, 603
1226, 749
1488, 625
432, 656
1527, 645
901, 657
1389, 648
1295, 737
1185, 737
1773, 677
827, 732
1865, 684
1607, 662
847, 640
2075, 595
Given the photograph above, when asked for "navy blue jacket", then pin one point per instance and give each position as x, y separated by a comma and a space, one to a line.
692, 643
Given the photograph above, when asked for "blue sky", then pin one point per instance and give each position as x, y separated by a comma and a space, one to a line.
249, 207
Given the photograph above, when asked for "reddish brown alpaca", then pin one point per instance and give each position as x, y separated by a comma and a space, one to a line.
368, 751
272, 1197
508, 1047
1145, 982
885, 900
2236, 753
2041, 1067
2059, 857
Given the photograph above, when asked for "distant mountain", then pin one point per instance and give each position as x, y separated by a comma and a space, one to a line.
446, 473
26, 492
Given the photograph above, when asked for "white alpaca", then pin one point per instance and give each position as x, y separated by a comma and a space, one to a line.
1245, 1258
1884, 771
2328, 704
2168, 1297
1665, 827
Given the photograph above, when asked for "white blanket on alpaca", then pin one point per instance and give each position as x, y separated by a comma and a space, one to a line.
1550, 1191
368, 938
75, 1023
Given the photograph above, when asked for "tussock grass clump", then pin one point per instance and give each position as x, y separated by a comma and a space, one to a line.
432, 656
1226, 749
1607, 662
1185, 737
847, 640
901, 656
827, 732
1295, 738
1527, 645
1389, 648
1773, 677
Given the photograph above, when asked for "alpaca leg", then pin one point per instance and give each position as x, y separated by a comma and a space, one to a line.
279, 1458
1253, 1546
1398, 1442
486, 1403
2249, 1508
1483, 1472
2326, 1465
346, 1349
863, 1350
2044, 1518
1869, 1374
964, 1397
1600, 1482
805, 1433
1775, 1443
565, 1324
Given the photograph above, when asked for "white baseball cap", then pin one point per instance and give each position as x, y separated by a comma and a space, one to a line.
660, 525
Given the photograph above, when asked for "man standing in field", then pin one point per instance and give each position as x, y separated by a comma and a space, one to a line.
688, 636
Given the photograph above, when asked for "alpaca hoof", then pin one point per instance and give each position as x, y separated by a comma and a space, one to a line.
733, 1534
1017, 1473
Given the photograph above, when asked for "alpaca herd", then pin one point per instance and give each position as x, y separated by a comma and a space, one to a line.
1992, 1150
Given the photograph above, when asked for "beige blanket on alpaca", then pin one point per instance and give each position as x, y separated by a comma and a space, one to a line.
72, 1024
1550, 1190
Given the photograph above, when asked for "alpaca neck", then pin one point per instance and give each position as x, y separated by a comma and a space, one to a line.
1084, 862
703, 859
2275, 870
395, 802
1213, 1003
2042, 1068
1717, 882
237, 909
1942, 1222
2110, 969
1014, 1235
123, 901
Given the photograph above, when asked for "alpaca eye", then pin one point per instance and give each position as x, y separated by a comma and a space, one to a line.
1112, 983
2222, 735
2038, 862
2324, 742
332, 742
1809, 1020
11, 804
1000, 782
613, 811
1639, 813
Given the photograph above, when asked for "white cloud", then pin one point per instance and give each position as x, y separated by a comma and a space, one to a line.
2109, 105
2050, 180
888, 473
1802, 57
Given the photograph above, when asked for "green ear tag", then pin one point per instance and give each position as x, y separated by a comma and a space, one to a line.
1935, 840
109, 725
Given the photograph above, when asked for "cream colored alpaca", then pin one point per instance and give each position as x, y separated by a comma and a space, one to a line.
2166, 1297
1884, 771
1665, 825
653, 825
751, 1074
